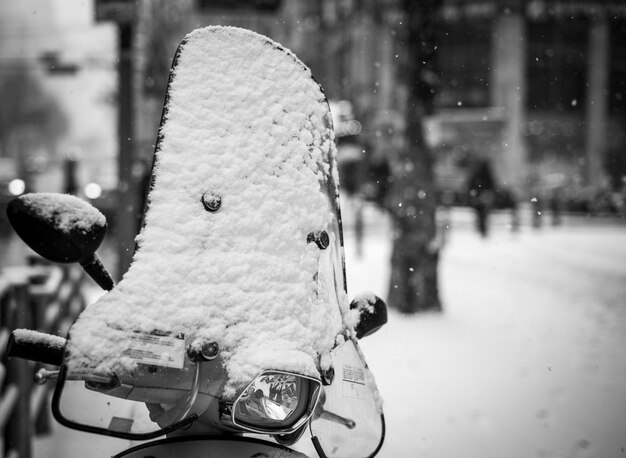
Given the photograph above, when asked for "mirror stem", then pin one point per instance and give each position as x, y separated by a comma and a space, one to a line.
96, 270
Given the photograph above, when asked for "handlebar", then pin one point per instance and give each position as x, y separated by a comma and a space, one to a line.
36, 346
50, 349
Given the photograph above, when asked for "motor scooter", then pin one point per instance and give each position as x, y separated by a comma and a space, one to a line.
231, 333
184, 404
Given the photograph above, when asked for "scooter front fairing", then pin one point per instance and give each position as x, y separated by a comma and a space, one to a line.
348, 420
239, 274
157, 390
154, 400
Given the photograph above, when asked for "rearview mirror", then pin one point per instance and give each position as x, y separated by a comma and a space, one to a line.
372, 314
61, 228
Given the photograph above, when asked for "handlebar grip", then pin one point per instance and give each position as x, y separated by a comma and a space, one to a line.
36, 346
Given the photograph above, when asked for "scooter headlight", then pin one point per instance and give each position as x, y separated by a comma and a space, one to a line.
276, 402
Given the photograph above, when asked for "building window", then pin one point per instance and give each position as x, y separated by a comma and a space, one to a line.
557, 65
617, 79
464, 59
259, 5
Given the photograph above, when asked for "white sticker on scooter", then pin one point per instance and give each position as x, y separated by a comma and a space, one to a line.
156, 350
354, 382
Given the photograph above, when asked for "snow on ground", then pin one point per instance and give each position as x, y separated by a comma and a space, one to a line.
528, 359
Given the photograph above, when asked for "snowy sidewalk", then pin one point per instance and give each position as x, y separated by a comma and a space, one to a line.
528, 359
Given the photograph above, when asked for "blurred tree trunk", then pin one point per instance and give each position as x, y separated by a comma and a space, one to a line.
415, 256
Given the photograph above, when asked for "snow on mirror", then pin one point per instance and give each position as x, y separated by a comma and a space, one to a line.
61, 228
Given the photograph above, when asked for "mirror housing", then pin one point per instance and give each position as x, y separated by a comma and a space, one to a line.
372, 312
61, 228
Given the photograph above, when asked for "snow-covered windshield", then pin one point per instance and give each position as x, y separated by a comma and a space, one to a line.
241, 245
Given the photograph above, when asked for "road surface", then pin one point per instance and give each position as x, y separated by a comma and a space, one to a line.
527, 360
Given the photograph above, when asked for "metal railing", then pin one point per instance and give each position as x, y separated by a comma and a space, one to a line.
45, 298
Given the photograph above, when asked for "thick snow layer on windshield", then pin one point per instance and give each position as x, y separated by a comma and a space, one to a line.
64, 211
247, 130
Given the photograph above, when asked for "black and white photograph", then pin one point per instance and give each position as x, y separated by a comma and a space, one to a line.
313, 228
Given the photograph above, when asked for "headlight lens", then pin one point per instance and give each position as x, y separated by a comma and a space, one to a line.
276, 402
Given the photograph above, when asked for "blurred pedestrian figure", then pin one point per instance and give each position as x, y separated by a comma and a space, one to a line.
481, 185
555, 206
70, 170
351, 163
537, 211
359, 226
447, 199
350, 157
70, 184
378, 181
515, 216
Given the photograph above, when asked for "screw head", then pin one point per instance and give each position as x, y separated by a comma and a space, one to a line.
206, 351
210, 350
211, 201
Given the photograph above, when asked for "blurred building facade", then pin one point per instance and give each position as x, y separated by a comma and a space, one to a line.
550, 77
535, 86
57, 86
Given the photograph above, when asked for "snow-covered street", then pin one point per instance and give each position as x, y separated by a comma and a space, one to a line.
527, 360
529, 357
